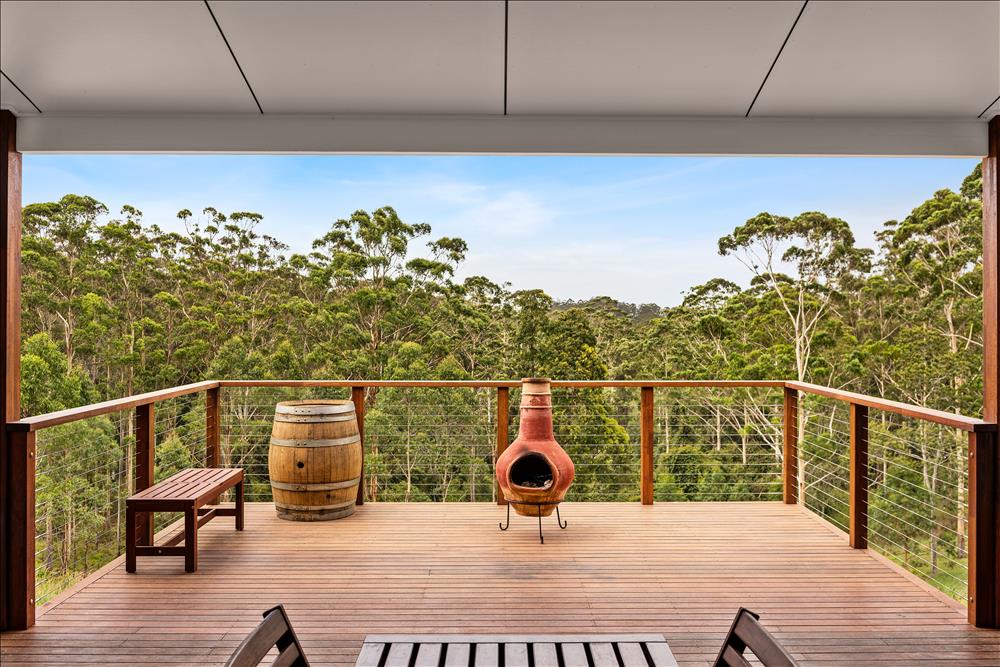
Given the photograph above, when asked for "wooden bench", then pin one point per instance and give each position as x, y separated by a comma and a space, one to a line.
189, 491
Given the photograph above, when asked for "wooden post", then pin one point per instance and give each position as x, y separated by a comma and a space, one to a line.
145, 465
358, 396
646, 444
213, 457
790, 448
984, 451
991, 275
17, 477
984, 529
859, 476
503, 435
19, 532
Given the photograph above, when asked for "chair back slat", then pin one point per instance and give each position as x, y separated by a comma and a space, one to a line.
288, 657
734, 658
274, 631
745, 633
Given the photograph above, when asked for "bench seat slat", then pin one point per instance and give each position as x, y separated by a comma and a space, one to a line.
188, 486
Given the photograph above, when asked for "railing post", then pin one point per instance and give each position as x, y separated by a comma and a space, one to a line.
145, 465
19, 531
16, 613
859, 476
358, 396
790, 448
213, 458
984, 529
646, 444
503, 435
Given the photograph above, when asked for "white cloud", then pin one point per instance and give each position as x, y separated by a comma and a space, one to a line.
645, 270
508, 214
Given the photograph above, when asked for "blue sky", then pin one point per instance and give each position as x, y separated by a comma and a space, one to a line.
639, 229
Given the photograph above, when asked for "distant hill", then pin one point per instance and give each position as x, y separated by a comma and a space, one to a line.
636, 312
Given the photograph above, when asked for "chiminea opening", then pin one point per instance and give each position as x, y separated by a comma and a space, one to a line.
531, 471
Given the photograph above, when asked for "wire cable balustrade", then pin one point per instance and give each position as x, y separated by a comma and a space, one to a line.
894, 477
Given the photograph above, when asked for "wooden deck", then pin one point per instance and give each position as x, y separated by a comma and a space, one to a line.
677, 569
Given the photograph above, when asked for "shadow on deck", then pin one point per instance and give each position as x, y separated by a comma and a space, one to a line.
678, 569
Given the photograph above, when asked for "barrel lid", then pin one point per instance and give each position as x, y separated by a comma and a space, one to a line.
314, 407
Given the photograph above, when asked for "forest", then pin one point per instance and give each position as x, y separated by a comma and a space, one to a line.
115, 305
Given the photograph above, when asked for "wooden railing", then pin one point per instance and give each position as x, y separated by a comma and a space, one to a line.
982, 450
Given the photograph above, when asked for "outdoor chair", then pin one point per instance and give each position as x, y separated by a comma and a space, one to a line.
274, 631
747, 633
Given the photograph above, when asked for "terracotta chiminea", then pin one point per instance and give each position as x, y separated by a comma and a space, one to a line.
534, 472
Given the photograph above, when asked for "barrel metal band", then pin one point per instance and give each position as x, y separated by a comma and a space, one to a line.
327, 442
317, 486
306, 508
314, 419
346, 407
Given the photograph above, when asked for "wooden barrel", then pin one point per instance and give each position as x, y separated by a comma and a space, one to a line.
314, 460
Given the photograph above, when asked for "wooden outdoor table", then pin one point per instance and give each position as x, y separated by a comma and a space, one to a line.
644, 650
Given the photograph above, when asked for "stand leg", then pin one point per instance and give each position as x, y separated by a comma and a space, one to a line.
239, 506
505, 527
191, 539
541, 538
130, 538
562, 524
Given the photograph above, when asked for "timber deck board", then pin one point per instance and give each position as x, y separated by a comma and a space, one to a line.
676, 569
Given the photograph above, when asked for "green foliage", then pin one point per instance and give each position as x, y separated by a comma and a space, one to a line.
113, 306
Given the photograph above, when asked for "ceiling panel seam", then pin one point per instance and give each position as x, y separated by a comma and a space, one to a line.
989, 106
24, 94
235, 60
775, 61
506, 22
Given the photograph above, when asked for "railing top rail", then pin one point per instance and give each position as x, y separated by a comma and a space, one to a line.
484, 384
74, 414
106, 407
927, 414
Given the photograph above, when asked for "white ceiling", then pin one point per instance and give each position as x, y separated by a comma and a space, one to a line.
843, 60
927, 59
645, 58
119, 57
369, 57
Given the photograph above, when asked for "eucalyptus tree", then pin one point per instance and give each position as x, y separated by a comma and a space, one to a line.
805, 261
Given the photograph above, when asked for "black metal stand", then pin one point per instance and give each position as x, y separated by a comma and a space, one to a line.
541, 538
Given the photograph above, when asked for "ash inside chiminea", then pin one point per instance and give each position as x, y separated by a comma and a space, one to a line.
531, 471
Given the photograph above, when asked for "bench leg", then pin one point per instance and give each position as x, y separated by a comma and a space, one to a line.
239, 506
130, 538
191, 539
